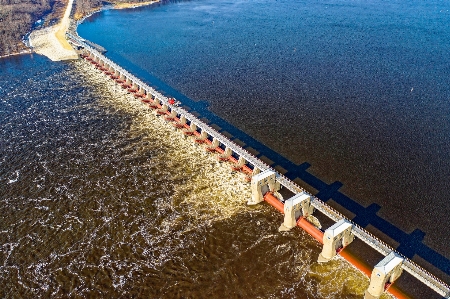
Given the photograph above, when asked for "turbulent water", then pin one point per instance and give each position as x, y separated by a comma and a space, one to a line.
101, 198
357, 89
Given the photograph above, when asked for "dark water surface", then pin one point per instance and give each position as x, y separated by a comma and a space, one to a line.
101, 199
357, 90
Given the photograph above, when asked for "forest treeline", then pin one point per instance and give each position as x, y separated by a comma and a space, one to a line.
16, 19
18, 16
83, 7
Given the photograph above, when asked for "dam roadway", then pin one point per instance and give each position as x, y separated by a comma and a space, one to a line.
229, 150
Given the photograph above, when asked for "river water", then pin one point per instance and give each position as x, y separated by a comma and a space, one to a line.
102, 199
357, 90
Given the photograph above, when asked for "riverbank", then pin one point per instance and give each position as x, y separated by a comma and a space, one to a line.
51, 41
18, 18
133, 4
79, 17
24, 51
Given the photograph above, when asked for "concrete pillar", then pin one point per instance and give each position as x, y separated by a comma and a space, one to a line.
162, 110
255, 171
241, 162
214, 144
384, 274
155, 103
295, 207
202, 137
226, 154
191, 130
337, 236
171, 116
261, 184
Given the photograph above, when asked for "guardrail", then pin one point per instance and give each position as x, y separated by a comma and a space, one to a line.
418, 272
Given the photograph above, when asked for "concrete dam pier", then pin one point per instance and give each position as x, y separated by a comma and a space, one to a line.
266, 182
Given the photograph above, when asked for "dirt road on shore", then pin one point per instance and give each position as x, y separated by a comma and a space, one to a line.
51, 41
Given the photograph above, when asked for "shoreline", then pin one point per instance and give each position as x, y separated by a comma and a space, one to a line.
134, 4
80, 19
57, 30
51, 41
26, 51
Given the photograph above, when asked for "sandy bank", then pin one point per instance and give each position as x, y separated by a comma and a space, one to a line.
26, 51
51, 41
133, 5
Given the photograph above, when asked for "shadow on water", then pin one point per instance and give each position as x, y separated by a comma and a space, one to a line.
99, 204
410, 244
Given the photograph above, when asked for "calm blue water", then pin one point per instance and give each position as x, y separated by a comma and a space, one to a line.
357, 89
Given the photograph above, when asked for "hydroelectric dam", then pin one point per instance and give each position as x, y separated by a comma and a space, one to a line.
266, 182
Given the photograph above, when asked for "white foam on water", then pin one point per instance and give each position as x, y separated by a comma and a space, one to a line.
13, 180
148, 207
211, 192
226, 191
